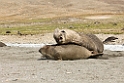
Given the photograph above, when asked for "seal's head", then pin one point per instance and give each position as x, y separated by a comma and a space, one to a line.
46, 52
59, 36
64, 36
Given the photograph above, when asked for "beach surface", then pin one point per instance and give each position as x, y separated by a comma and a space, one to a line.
23, 64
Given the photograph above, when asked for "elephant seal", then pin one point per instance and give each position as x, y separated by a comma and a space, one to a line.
65, 52
2, 44
89, 41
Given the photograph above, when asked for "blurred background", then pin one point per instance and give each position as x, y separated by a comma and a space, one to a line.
43, 16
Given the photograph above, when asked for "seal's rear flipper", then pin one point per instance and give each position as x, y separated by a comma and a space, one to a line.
98, 56
110, 39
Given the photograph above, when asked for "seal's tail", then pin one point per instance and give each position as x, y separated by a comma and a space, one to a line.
110, 39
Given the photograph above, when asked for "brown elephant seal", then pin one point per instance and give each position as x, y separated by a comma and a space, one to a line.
91, 42
2, 44
65, 52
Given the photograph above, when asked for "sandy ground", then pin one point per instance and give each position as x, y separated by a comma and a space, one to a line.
22, 65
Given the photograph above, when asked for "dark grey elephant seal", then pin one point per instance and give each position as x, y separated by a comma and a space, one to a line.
65, 52
89, 41
2, 44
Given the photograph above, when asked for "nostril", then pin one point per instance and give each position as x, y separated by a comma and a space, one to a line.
61, 38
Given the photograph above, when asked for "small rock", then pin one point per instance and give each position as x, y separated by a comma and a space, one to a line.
2, 44
15, 80
8, 31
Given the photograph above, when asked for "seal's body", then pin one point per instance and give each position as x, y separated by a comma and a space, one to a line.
98, 42
65, 52
89, 41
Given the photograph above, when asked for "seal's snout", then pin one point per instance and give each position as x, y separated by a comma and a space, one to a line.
60, 38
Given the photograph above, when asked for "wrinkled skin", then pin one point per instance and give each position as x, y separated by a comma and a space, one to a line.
65, 52
98, 42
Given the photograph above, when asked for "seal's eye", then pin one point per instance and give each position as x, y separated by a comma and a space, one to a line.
60, 38
63, 31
